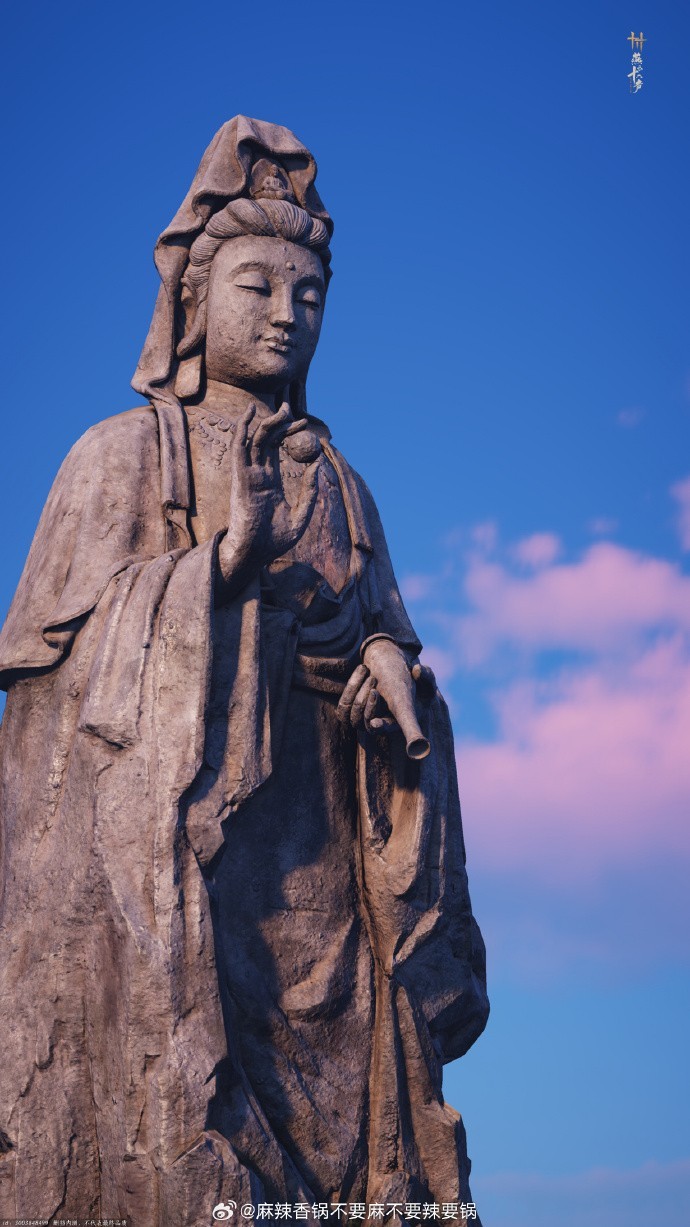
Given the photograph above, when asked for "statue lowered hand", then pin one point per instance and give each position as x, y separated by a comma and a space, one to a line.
385, 674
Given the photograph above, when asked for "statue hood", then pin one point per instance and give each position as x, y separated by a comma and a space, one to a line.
223, 175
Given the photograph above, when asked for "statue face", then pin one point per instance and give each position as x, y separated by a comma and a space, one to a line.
264, 312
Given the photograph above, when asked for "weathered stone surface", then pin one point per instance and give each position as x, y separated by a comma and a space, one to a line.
237, 944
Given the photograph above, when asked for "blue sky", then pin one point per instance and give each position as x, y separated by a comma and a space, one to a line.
505, 359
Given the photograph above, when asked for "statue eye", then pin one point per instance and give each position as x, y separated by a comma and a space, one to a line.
253, 281
310, 297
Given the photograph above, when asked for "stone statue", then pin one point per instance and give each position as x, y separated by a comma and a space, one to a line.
237, 944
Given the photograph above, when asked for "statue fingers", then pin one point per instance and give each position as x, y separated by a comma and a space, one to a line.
429, 677
240, 453
425, 678
360, 701
350, 691
370, 707
242, 432
383, 724
269, 431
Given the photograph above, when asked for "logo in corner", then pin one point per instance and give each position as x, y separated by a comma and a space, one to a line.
224, 1211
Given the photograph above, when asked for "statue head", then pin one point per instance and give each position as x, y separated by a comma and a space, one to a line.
253, 291
244, 267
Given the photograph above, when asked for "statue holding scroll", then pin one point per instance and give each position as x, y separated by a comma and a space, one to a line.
237, 943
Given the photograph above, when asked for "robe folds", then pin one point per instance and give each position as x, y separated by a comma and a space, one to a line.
149, 754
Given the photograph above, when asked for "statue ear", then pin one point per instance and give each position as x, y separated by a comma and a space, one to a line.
188, 378
190, 366
191, 321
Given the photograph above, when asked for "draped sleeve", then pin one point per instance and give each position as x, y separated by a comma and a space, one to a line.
102, 555
384, 604
103, 514
390, 612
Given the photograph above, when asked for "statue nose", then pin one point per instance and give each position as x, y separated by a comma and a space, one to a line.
283, 314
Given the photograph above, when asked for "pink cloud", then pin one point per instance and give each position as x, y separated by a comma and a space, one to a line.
602, 526
681, 493
590, 772
485, 536
416, 587
609, 597
442, 663
586, 776
539, 550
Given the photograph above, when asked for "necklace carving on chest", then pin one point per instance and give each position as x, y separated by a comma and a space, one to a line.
216, 432
295, 452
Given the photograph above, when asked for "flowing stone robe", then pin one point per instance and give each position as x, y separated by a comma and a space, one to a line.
237, 943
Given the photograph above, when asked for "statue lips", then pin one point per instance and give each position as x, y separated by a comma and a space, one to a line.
281, 345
